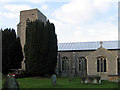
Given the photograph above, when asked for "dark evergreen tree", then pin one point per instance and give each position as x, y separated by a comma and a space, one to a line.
11, 51
41, 48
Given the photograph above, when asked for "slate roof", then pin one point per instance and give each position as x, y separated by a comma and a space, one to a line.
87, 45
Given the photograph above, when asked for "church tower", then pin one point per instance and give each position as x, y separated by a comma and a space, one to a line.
26, 15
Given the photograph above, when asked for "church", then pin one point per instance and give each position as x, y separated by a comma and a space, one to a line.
88, 58
78, 58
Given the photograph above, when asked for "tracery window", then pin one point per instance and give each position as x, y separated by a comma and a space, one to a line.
82, 64
65, 63
101, 64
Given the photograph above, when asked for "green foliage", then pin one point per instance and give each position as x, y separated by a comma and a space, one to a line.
11, 51
40, 48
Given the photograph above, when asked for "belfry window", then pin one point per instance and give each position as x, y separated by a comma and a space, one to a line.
65, 63
101, 64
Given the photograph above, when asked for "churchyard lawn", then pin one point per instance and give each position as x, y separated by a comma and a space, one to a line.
37, 82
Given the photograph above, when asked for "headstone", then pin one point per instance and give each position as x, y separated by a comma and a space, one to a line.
95, 81
86, 81
54, 80
70, 77
11, 83
99, 81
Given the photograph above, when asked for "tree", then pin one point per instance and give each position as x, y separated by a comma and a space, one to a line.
40, 48
11, 51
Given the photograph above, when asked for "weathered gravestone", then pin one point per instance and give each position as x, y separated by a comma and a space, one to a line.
70, 77
54, 80
11, 83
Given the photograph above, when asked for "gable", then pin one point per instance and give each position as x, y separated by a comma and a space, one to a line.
101, 52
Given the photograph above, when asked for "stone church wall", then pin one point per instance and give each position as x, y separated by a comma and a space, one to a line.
92, 62
25, 15
41, 16
111, 63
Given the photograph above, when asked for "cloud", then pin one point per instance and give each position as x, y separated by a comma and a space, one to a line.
101, 31
33, 1
80, 11
5, 1
86, 20
71, 12
16, 8
102, 5
8, 15
12, 11
44, 6
75, 20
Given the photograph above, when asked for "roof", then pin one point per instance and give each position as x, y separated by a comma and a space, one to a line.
87, 45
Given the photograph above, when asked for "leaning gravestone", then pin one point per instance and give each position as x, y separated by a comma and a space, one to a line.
11, 83
54, 80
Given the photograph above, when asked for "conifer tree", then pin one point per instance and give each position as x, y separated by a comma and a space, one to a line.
40, 48
11, 51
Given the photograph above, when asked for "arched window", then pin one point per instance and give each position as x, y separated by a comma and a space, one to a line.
65, 63
104, 64
79, 65
101, 64
118, 64
82, 64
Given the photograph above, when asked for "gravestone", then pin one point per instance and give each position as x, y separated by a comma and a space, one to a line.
11, 83
87, 80
70, 77
100, 81
91, 79
95, 81
54, 80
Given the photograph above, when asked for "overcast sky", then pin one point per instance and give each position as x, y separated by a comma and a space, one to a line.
75, 20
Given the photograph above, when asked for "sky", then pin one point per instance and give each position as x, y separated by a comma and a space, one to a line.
74, 20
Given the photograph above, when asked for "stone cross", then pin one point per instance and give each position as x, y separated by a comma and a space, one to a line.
101, 43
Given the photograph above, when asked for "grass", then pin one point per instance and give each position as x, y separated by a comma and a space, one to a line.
37, 82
